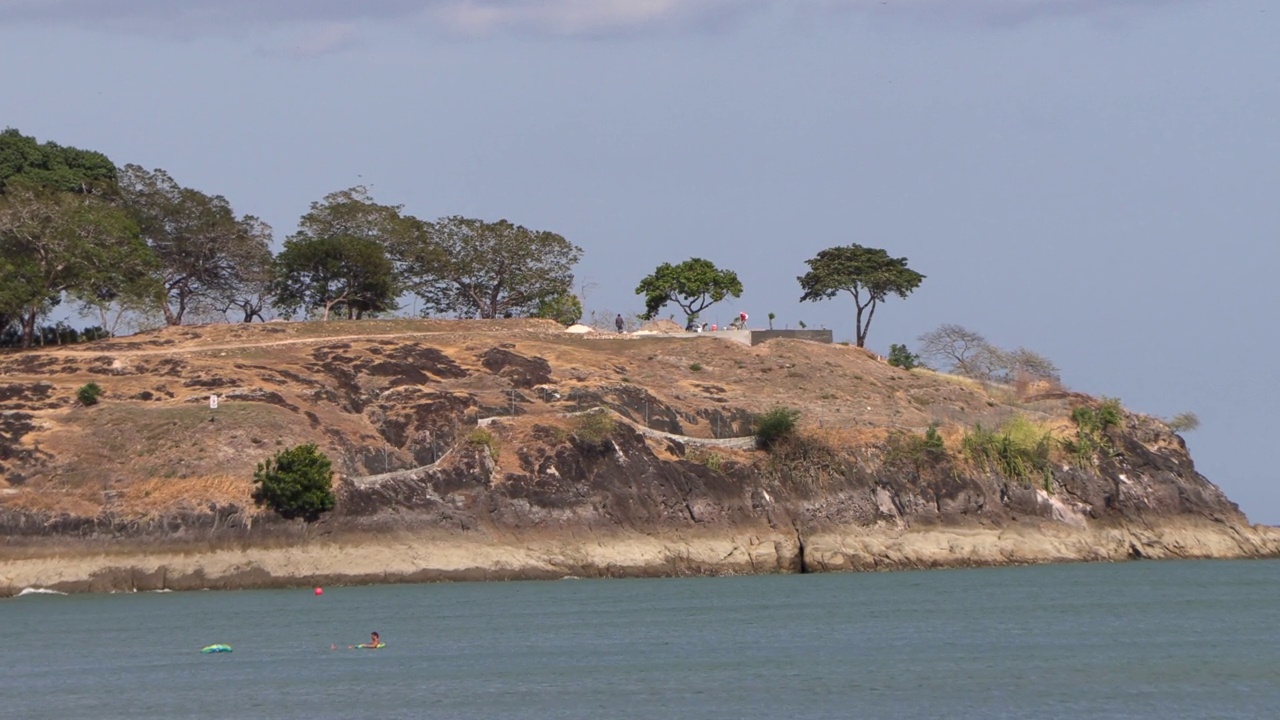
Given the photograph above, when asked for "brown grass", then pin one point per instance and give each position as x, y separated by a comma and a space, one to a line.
158, 495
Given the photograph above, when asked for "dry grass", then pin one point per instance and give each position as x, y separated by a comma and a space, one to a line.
960, 380
159, 495
82, 501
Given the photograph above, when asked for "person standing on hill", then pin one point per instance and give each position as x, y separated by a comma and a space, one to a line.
618, 322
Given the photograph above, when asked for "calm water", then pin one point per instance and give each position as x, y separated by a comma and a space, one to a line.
1138, 640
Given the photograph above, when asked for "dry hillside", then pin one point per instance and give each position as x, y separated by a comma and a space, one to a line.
389, 395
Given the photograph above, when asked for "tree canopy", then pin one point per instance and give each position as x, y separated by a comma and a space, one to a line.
467, 267
335, 274
55, 242
353, 213
24, 162
206, 253
695, 285
870, 275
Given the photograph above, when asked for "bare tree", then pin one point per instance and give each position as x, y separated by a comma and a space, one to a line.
956, 348
962, 351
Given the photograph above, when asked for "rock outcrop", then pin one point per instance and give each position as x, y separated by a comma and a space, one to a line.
498, 451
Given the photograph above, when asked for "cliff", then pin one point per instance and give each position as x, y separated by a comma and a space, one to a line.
506, 449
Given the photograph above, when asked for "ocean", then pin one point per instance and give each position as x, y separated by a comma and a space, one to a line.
1142, 640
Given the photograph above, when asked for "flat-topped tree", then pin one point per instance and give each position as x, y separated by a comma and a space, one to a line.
868, 274
207, 255
473, 268
351, 275
54, 242
695, 285
59, 231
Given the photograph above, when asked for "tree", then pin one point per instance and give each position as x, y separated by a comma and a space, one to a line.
900, 356
965, 352
955, 347
468, 267
25, 163
695, 285
565, 309
55, 242
206, 253
342, 273
297, 482
251, 293
868, 274
353, 213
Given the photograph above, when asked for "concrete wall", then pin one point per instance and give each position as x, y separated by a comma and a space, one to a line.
821, 336
752, 337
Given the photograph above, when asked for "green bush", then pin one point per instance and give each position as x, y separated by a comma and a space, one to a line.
775, 426
1019, 450
297, 482
917, 450
594, 427
1091, 426
481, 437
89, 394
695, 367
900, 356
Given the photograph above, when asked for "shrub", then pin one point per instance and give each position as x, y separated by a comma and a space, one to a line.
1019, 450
297, 482
695, 367
774, 426
918, 450
1184, 422
594, 427
480, 437
901, 357
89, 394
710, 460
1110, 414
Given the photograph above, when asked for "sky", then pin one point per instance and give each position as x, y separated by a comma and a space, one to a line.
1092, 179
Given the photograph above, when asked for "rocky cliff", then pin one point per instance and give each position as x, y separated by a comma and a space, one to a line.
503, 449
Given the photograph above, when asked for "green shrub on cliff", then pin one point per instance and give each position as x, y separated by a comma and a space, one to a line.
1020, 450
594, 427
481, 437
297, 482
775, 426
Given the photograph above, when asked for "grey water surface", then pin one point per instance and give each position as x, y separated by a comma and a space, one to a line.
1144, 640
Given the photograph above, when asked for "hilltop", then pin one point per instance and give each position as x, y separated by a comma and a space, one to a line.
510, 448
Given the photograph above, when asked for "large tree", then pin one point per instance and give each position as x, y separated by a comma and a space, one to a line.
694, 285
345, 274
206, 253
870, 275
24, 162
353, 213
56, 242
467, 267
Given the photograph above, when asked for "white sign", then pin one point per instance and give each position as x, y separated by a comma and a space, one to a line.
213, 402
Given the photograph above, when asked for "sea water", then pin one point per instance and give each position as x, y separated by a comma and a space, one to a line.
1143, 640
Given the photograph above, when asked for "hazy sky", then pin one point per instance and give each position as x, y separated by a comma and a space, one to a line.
1094, 179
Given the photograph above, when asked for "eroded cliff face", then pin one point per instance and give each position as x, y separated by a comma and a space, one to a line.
662, 490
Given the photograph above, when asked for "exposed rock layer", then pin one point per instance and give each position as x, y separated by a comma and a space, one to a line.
434, 487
